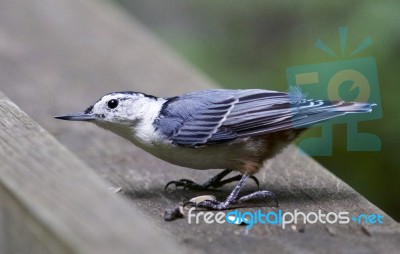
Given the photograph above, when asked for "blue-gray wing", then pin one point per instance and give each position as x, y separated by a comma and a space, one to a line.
217, 115
192, 119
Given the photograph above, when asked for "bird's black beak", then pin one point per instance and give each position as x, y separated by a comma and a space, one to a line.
79, 116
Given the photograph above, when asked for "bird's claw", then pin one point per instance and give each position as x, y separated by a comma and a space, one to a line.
256, 181
191, 185
186, 184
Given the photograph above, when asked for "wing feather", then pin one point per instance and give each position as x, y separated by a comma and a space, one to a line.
216, 115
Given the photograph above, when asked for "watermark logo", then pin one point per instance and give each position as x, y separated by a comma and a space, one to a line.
281, 218
347, 78
368, 218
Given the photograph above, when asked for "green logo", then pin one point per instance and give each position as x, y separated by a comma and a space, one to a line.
347, 78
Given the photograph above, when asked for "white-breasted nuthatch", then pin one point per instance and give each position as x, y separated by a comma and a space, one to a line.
235, 130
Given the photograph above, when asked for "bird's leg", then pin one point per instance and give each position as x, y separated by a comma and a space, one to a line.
233, 197
235, 179
214, 182
261, 194
218, 205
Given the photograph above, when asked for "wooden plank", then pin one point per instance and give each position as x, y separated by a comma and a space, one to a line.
53, 203
60, 56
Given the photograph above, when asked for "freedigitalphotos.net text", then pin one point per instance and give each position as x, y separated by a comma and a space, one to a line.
281, 218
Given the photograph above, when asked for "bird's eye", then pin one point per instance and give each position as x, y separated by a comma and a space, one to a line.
112, 103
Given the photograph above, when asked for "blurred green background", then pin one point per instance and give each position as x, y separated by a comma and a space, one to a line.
250, 44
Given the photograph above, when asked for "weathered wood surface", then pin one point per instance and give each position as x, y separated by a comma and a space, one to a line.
60, 56
51, 202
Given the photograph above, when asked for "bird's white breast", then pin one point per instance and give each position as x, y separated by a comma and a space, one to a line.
225, 155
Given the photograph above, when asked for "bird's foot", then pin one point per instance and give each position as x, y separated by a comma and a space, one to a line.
186, 184
214, 182
258, 195
219, 205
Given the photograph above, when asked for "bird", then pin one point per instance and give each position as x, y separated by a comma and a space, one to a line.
234, 130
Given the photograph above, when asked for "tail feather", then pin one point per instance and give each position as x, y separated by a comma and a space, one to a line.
320, 111
354, 107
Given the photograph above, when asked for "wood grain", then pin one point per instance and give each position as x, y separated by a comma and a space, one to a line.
51, 202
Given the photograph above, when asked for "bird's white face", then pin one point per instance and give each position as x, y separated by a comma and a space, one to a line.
119, 108
116, 109
127, 114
